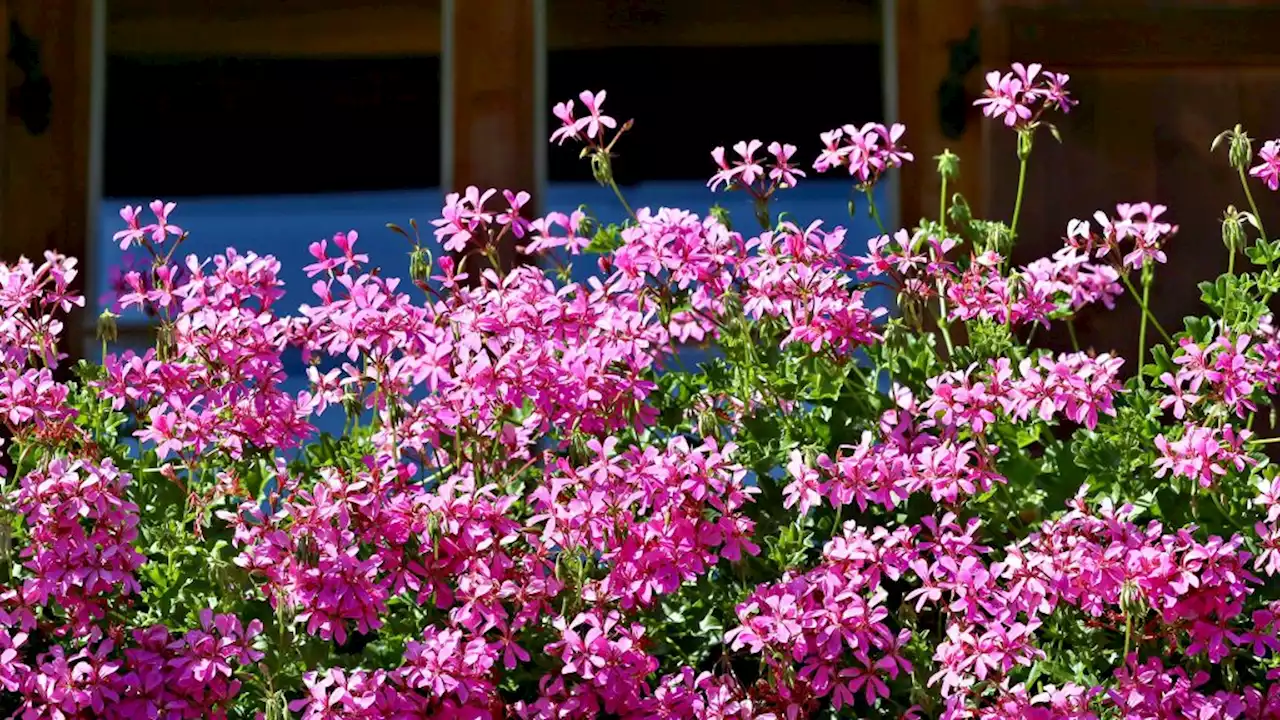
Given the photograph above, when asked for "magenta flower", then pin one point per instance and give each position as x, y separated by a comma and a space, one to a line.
569, 124
133, 232
1269, 170
783, 173
595, 123
866, 151
162, 228
1006, 97
743, 173
1021, 97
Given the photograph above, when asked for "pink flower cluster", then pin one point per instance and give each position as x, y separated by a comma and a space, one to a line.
1203, 454
81, 531
831, 624
217, 384
151, 235
658, 518
751, 174
1224, 373
866, 152
32, 297
520, 475
1040, 292
588, 129
187, 676
802, 277
1020, 97
1135, 236
922, 448
465, 221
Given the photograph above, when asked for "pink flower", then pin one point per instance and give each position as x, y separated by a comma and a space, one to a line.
133, 232
1269, 170
783, 173
866, 151
569, 125
1020, 97
595, 122
162, 228
743, 172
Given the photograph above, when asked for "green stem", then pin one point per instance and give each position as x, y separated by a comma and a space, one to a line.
1145, 310
875, 214
1071, 330
942, 297
617, 192
1128, 636
1244, 183
1022, 183
942, 205
1142, 327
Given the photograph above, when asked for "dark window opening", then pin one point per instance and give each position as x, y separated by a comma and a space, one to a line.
686, 101
231, 126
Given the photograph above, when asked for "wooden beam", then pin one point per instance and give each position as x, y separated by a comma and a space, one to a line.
45, 153
582, 24
490, 78
340, 28
279, 28
1230, 34
927, 31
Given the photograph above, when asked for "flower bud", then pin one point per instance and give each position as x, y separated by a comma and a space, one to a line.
960, 212
721, 216
1233, 236
1026, 139
912, 306
1241, 149
1132, 603
948, 164
164, 342
108, 331
762, 213
420, 262
600, 169
999, 239
351, 405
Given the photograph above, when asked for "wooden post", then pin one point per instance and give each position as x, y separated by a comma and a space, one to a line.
46, 143
491, 50
927, 31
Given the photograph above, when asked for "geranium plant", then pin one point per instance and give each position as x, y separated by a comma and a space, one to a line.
539, 509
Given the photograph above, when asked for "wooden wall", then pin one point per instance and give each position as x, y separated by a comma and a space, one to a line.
306, 28
45, 152
1156, 82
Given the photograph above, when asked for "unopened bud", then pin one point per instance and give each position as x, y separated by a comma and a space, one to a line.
912, 306
1025, 140
164, 342
420, 262
762, 213
1131, 600
108, 330
600, 169
1241, 150
960, 212
999, 239
948, 164
721, 216
351, 405
1233, 236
